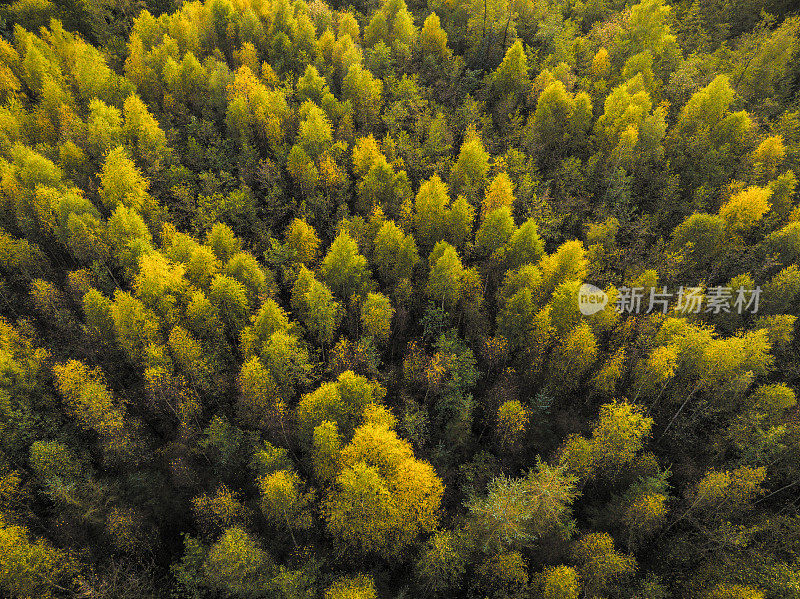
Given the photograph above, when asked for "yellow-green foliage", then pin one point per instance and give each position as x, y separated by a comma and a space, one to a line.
384, 497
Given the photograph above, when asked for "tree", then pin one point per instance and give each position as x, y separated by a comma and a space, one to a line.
259, 404
560, 582
708, 140
344, 270
701, 239
136, 326
223, 242
517, 513
323, 312
303, 170
384, 497
734, 591
620, 434
442, 565
121, 183
577, 351
256, 114
469, 172
143, 134
383, 189
283, 502
512, 420
99, 319
559, 122
356, 587
393, 25
326, 454
229, 297
302, 241
502, 574
499, 194
103, 128
599, 563
395, 254
237, 565
219, 511
447, 272
91, 403
341, 402
721, 495
365, 154
271, 318
258, 282
365, 93
31, 568
525, 245
568, 263
130, 239
376, 316
743, 211
495, 231
189, 356
510, 78
430, 211
160, 285
432, 42
287, 361
316, 134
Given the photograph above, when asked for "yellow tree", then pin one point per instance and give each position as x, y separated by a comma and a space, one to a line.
92, 405
599, 563
356, 587
384, 497
620, 433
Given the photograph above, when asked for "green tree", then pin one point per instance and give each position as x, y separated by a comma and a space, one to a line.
365, 93
344, 270
517, 513
495, 231
395, 254
259, 405
469, 172
376, 316
510, 78
229, 297
446, 276
237, 565
283, 502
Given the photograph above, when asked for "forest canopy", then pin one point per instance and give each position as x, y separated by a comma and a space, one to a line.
396, 299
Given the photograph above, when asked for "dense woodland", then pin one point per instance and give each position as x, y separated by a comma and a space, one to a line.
288, 299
